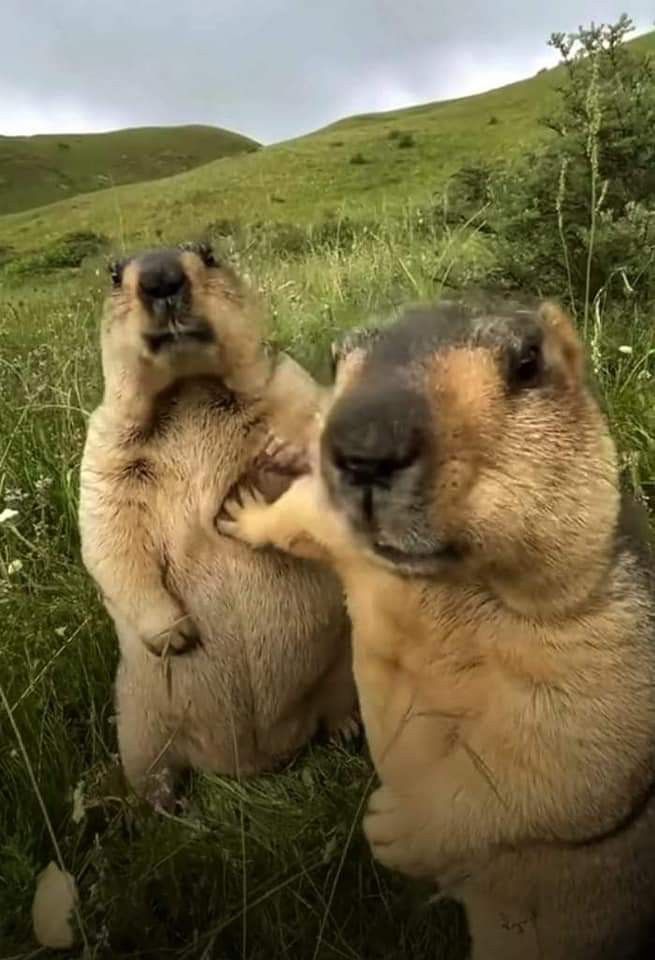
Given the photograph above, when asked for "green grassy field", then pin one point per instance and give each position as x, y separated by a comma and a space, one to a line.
43, 169
275, 867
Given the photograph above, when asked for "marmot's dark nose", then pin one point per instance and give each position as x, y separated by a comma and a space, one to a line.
161, 275
372, 438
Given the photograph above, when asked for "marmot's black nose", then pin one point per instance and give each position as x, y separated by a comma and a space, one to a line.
372, 437
161, 275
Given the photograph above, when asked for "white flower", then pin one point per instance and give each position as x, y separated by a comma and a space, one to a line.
8, 514
14, 567
79, 807
60, 631
43, 484
625, 348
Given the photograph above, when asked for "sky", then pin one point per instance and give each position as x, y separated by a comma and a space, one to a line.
271, 69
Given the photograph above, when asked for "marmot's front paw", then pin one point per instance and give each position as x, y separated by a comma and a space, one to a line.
242, 516
169, 631
399, 835
346, 730
280, 456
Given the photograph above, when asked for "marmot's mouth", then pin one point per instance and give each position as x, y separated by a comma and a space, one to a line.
179, 331
417, 561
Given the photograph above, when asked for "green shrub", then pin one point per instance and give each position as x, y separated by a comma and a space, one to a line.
406, 141
68, 251
576, 215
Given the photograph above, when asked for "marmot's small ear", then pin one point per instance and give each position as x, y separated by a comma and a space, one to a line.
207, 255
115, 269
562, 338
204, 250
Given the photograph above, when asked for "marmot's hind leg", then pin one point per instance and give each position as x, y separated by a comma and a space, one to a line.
146, 747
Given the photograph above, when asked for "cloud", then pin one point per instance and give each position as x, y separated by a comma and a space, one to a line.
270, 68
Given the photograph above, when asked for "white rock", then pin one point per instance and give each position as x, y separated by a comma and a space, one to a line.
53, 904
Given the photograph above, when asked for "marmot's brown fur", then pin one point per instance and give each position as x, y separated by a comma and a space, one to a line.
501, 593
262, 639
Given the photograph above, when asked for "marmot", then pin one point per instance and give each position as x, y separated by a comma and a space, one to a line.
501, 591
262, 640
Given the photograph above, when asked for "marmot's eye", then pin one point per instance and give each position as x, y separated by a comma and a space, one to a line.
527, 366
116, 268
206, 254
335, 352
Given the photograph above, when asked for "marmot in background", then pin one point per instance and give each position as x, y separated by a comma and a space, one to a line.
501, 592
261, 640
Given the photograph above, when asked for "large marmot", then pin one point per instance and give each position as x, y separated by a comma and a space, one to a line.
501, 591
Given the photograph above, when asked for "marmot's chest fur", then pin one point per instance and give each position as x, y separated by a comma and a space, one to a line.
203, 440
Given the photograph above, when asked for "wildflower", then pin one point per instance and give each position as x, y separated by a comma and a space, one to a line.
16, 496
79, 807
625, 348
43, 484
14, 567
8, 514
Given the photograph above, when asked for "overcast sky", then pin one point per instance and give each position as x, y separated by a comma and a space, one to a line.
271, 69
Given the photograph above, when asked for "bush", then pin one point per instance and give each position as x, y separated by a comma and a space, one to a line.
68, 251
358, 159
470, 191
406, 141
6, 253
223, 228
71, 249
576, 216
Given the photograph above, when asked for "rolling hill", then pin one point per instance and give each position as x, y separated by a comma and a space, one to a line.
43, 169
354, 166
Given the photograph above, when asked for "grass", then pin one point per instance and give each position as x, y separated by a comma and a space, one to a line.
277, 866
43, 169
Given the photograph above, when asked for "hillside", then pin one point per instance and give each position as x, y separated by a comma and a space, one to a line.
356, 165
42, 169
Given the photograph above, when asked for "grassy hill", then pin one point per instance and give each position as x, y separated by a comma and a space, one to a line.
357, 165
38, 170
